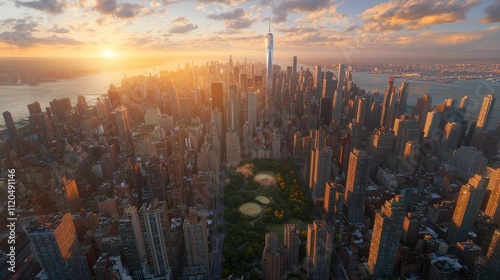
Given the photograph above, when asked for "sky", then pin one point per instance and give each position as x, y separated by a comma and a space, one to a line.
306, 28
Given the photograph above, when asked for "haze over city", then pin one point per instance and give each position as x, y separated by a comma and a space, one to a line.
249, 139
345, 30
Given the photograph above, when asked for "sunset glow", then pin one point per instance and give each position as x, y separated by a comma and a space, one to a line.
309, 28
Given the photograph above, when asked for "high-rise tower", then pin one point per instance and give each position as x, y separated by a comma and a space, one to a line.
132, 239
386, 233
485, 113
385, 118
269, 60
356, 185
318, 250
468, 204
492, 262
55, 246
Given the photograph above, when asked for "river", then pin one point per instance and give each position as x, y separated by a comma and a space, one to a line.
16, 98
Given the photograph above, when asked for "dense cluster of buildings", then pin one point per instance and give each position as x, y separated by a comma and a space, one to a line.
128, 187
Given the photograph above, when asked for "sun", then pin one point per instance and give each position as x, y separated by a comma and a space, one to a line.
108, 53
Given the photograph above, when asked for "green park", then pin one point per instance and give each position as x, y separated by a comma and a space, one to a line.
260, 196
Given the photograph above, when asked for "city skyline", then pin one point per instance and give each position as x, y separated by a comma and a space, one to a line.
355, 29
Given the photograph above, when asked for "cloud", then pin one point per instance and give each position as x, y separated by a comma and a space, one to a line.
49, 6
414, 14
60, 30
105, 6
223, 1
127, 10
181, 29
26, 39
122, 10
235, 19
285, 7
492, 13
155, 4
448, 38
351, 28
22, 25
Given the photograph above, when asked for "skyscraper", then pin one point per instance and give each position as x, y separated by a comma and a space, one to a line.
9, 122
123, 127
156, 234
485, 113
292, 241
421, 108
67, 196
55, 245
320, 172
252, 110
132, 240
468, 204
294, 71
317, 78
386, 105
356, 185
273, 258
233, 149
493, 206
218, 102
318, 250
269, 60
341, 77
492, 261
34, 108
404, 91
196, 239
385, 239
233, 108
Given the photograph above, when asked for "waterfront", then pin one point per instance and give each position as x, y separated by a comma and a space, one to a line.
16, 98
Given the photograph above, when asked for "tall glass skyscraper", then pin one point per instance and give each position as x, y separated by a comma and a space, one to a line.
269, 60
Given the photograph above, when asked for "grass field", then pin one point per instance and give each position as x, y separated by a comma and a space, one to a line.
251, 209
263, 199
278, 228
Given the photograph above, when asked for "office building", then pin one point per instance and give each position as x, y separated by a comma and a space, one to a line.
341, 77
468, 161
132, 240
485, 113
493, 206
196, 238
156, 234
55, 245
317, 78
404, 91
218, 101
388, 113
318, 250
9, 122
252, 109
269, 61
68, 197
273, 258
468, 205
356, 184
492, 261
422, 108
292, 242
233, 109
123, 128
233, 149
320, 172
386, 234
